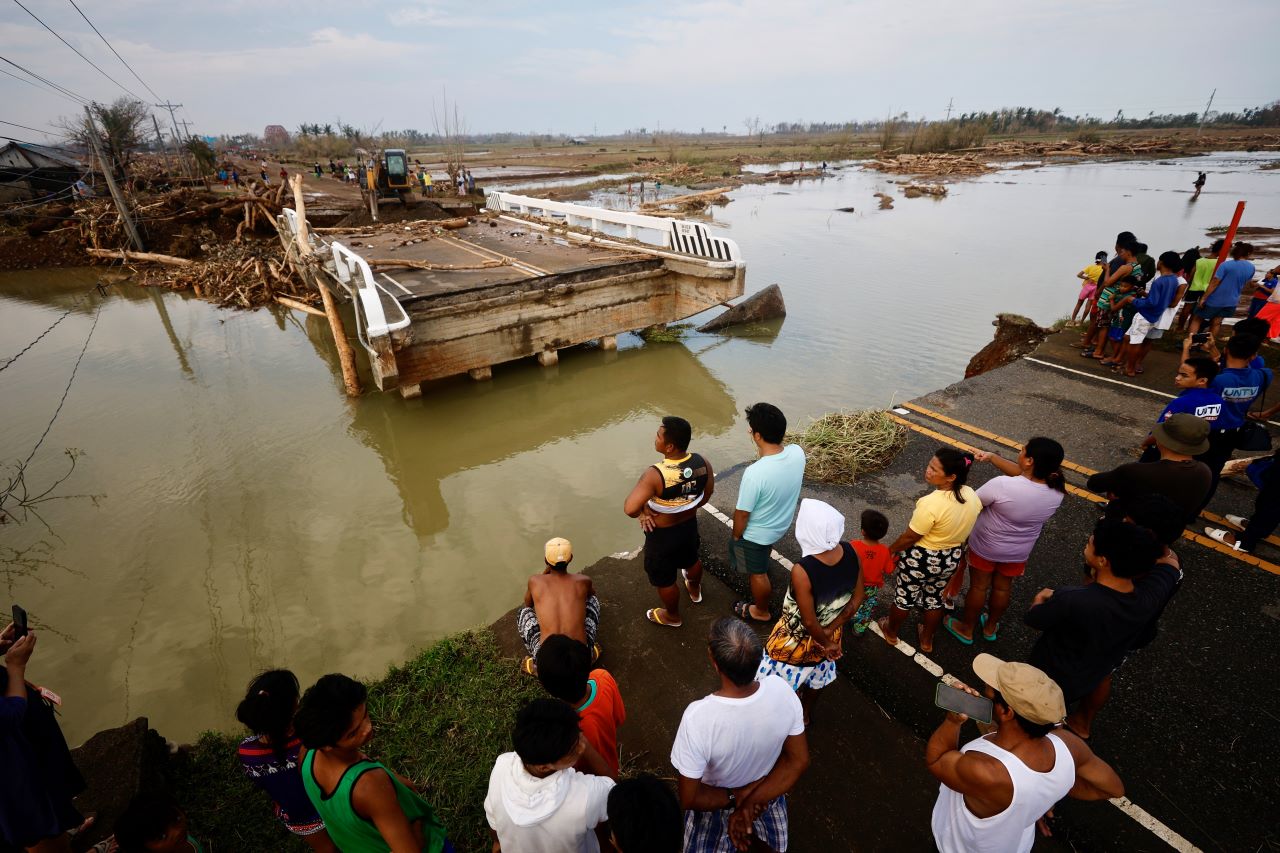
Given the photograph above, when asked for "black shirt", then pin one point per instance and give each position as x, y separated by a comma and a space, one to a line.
1185, 483
1088, 630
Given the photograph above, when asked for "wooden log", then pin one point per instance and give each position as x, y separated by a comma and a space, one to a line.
138, 257
346, 356
299, 306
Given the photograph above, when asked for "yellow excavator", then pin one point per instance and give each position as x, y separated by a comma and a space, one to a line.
387, 173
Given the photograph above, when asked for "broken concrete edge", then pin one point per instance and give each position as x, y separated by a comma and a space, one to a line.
1015, 337
762, 305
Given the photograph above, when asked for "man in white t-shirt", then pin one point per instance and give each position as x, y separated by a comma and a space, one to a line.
739, 750
537, 802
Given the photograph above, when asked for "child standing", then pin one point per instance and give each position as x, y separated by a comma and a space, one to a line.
1262, 292
1090, 275
1122, 312
876, 563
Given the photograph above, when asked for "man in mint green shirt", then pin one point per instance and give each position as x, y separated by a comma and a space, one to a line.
766, 505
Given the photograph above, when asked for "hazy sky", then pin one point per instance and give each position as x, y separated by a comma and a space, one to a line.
579, 67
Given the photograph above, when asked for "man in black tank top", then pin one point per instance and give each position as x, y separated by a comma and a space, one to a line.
666, 500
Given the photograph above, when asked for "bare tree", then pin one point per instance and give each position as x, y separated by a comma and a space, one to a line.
122, 129
451, 127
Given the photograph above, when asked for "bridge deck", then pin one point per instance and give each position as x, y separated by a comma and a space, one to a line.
523, 254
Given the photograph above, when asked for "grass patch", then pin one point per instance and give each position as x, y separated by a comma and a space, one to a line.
439, 720
841, 446
669, 334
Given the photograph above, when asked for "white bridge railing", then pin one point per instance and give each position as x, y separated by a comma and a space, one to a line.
689, 238
353, 271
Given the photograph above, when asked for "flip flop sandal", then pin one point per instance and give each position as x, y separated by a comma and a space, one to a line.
742, 609
1106, 362
948, 623
1220, 535
595, 653
654, 617
982, 623
1086, 353
1237, 521
697, 600
528, 667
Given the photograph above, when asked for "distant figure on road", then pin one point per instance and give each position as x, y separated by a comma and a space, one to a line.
319, 171
739, 750
825, 592
556, 602
666, 500
766, 505
929, 550
996, 787
1199, 182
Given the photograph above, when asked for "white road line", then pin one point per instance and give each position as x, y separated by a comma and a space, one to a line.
1124, 804
397, 284
1105, 379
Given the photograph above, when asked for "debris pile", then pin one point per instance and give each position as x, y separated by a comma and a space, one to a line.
938, 165
917, 190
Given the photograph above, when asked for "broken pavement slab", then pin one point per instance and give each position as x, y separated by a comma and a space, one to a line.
762, 305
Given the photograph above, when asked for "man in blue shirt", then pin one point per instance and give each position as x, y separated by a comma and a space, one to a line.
1240, 386
1195, 398
1222, 296
766, 505
1162, 295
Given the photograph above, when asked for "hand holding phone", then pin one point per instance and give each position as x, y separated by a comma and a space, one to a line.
957, 701
19, 623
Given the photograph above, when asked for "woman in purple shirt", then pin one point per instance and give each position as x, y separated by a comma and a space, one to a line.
1014, 510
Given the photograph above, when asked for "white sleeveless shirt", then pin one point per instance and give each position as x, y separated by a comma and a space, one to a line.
958, 830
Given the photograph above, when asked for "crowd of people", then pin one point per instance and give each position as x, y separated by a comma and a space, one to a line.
739, 750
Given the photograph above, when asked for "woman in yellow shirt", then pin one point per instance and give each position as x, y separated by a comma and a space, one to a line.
929, 550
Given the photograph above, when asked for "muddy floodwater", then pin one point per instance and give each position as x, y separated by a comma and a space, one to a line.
230, 510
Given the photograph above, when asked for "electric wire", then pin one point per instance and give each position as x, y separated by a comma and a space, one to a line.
76, 49
113, 50
63, 90
37, 85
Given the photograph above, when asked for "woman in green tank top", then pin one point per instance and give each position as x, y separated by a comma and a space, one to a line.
366, 807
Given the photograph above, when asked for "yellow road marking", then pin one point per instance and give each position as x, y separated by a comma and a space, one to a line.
1211, 517
1213, 544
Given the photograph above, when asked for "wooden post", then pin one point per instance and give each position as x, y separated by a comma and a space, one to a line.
1231, 235
609, 342
346, 356
548, 358
108, 173
480, 374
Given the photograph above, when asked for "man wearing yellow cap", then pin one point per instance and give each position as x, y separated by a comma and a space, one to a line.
996, 787
556, 602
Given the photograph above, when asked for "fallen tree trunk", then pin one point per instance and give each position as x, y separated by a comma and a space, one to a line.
140, 257
300, 306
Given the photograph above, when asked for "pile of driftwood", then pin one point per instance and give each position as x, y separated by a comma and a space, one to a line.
917, 190
939, 165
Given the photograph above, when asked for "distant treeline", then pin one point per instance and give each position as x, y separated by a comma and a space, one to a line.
341, 137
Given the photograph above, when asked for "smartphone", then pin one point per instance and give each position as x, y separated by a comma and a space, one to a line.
1199, 337
950, 699
19, 622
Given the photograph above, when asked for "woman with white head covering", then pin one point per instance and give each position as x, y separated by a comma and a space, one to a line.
825, 592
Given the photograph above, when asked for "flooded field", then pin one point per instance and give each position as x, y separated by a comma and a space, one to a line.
231, 510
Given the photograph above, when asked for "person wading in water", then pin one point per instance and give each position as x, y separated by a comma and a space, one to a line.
666, 500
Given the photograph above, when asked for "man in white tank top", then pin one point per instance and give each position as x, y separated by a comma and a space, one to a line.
996, 787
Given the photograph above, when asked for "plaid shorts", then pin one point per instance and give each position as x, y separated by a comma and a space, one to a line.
531, 632
708, 832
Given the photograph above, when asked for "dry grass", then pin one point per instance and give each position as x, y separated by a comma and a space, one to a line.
842, 446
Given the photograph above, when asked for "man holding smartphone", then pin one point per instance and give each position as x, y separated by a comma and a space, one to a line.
996, 787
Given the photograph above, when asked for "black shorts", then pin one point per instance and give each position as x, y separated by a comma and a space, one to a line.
669, 549
1191, 297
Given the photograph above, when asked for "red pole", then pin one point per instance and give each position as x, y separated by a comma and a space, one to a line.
1231, 235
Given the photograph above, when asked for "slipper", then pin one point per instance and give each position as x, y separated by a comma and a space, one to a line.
652, 616
982, 623
1220, 535
1141, 369
528, 667
1106, 362
1237, 521
595, 653
1086, 353
742, 609
948, 623
697, 600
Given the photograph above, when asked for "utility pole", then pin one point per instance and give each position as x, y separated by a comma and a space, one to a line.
107, 173
1204, 117
164, 149
950, 101
185, 129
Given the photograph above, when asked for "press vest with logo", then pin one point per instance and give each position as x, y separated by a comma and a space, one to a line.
683, 482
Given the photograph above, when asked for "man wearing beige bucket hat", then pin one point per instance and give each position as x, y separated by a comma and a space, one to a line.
996, 787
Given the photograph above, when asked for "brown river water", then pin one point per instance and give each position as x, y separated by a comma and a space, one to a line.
230, 510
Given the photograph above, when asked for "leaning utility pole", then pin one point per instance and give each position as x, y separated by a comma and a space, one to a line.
950, 101
1205, 116
108, 168
164, 149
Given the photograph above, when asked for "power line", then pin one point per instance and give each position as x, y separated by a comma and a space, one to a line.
63, 90
76, 49
36, 129
35, 85
113, 50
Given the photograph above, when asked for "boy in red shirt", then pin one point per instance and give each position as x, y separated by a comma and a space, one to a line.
564, 668
876, 562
